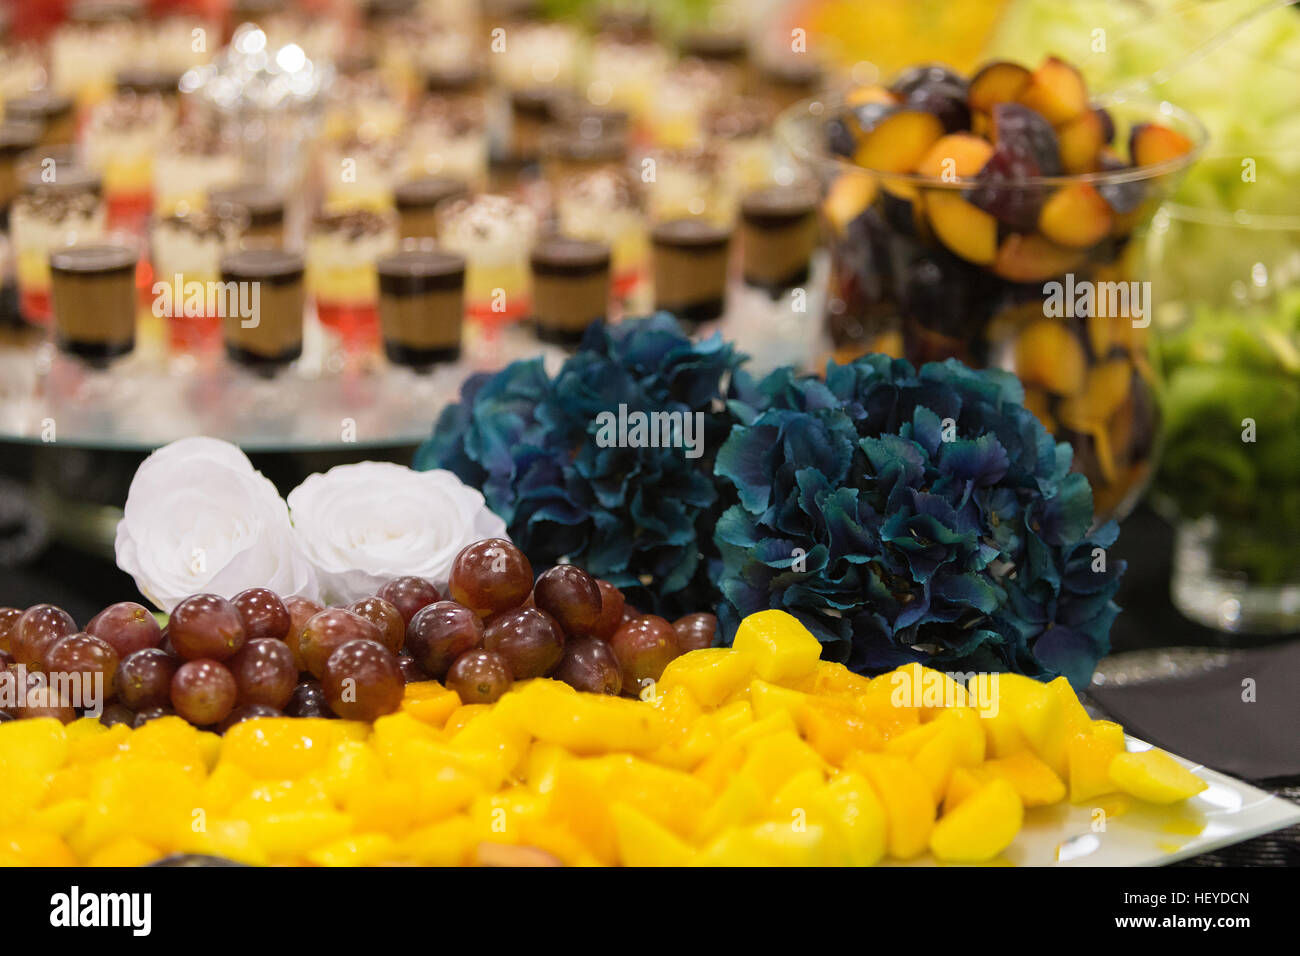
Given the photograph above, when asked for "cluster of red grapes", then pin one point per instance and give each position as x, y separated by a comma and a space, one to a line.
218, 661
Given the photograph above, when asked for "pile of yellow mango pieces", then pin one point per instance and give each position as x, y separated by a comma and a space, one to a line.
757, 754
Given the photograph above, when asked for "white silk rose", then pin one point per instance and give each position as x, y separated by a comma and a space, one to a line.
362, 524
200, 519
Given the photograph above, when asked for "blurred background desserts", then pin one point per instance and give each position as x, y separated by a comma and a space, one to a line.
511, 170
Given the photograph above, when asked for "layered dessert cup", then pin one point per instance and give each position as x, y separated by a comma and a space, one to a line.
187, 254
607, 206
94, 294
571, 288
690, 269
422, 306
417, 202
448, 137
538, 55
363, 104
16, 138
990, 219
190, 164
260, 205
686, 94
738, 130
45, 217
494, 234
361, 173
89, 48
121, 138
264, 335
778, 235
688, 183
54, 113
624, 71
342, 249
568, 152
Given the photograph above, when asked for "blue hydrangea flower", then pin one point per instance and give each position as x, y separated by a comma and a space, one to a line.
640, 517
908, 515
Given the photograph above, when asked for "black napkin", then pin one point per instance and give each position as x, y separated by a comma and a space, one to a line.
1204, 717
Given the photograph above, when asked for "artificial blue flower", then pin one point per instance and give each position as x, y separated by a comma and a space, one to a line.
908, 515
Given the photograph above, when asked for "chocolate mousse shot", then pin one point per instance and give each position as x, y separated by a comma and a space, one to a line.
421, 306
417, 202
54, 113
690, 268
262, 323
570, 287
778, 233
93, 290
263, 206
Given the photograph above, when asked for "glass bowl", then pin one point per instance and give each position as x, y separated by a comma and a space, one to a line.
1227, 263
921, 272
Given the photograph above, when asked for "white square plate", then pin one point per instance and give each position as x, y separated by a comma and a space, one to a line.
1120, 831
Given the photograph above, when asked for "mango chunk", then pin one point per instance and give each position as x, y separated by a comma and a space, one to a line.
710, 674
1089, 758
980, 827
906, 796
643, 842
782, 648
1036, 782
1154, 776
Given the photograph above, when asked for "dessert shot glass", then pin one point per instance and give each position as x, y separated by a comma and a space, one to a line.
262, 321
422, 306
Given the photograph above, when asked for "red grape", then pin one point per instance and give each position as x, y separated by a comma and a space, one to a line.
42, 700
440, 633
8, 620
263, 614
39, 627
571, 596
308, 700
327, 632
206, 626
91, 658
362, 681
127, 627
409, 594
411, 670
528, 638
203, 692
144, 678
695, 631
385, 616
590, 664
630, 613
117, 714
301, 610
480, 677
644, 647
490, 576
264, 672
246, 712
611, 611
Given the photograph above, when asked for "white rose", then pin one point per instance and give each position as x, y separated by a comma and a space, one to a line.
200, 519
361, 525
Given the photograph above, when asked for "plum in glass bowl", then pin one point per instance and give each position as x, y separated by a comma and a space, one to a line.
990, 219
